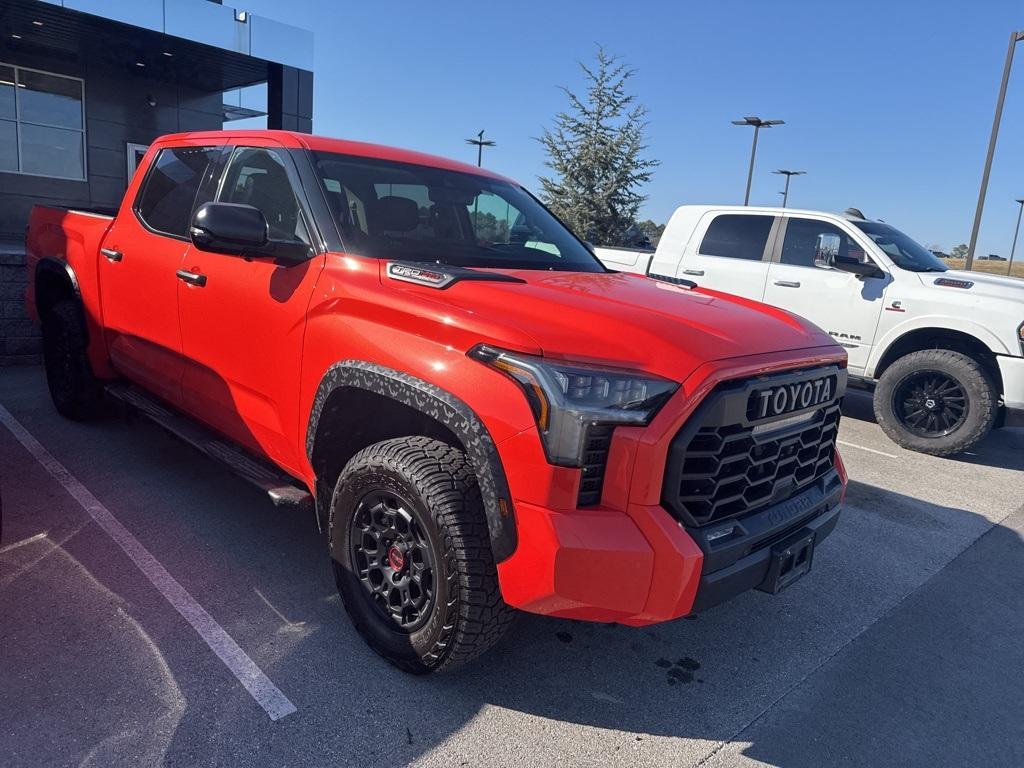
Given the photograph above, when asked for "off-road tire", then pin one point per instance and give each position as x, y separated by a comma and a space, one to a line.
74, 389
981, 394
467, 615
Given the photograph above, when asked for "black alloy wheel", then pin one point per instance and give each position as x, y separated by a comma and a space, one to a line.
411, 553
930, 403
392, 559
937, 401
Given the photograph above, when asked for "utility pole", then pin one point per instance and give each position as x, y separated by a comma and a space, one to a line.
1015, 37
757, 124
1016, 232
788, 175
480, 142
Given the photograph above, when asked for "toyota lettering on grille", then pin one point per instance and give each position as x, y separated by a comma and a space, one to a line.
787, 398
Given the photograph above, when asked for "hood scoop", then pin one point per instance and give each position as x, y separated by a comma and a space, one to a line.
442, 276
952, 282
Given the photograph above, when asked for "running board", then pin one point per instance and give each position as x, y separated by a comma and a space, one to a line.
283, 490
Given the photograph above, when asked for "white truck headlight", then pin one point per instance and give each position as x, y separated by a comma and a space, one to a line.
567, 398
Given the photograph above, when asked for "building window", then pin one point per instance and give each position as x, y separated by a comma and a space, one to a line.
135, 154
42, 123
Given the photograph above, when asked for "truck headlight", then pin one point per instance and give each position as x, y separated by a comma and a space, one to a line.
567, 398
1020, 337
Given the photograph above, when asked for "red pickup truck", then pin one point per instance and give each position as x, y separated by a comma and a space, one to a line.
480, 415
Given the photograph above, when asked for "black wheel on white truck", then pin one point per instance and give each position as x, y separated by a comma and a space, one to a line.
936, 401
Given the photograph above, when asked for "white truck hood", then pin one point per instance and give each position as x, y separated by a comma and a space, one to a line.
983, 285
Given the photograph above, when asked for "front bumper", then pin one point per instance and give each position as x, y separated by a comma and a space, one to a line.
600, 564
740, 561
1011, 370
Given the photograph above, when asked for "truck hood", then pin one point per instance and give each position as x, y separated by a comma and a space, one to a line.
984, 285
630, 321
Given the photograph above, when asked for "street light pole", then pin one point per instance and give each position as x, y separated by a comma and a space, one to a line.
1015, 37
480, 143
1016, 232
788, 175
758, 124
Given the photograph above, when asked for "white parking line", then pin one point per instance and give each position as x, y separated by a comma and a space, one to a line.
865, 448
267, 695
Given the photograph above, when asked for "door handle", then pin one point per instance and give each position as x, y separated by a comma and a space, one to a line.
192, 278
787, 283
697, 272
111, 254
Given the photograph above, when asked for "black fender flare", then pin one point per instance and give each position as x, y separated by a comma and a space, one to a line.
444, 408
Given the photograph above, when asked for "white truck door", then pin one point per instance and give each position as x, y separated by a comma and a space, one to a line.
800, 280
728, 252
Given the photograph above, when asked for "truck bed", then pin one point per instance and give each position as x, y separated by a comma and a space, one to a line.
69, 236
625, 259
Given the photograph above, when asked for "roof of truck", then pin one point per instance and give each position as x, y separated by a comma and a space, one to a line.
341, 146
770, 209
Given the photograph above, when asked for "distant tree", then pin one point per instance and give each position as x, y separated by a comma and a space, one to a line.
596, 151
651, 230
959, 252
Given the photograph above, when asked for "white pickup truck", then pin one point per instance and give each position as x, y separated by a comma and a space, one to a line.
943, 349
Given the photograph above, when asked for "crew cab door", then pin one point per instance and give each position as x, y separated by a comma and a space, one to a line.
243, 322
800, 280
137, 264
729, 252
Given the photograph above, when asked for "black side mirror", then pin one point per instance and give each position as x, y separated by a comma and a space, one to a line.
856, 267
229, 228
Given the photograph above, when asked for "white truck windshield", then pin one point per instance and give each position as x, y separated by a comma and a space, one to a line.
905, 252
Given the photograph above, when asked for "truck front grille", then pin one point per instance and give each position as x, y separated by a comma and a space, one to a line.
722, 464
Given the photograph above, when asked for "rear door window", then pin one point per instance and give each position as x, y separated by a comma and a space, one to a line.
737, 236
168, 196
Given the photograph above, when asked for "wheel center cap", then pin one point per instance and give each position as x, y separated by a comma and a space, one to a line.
396, 558
930, 403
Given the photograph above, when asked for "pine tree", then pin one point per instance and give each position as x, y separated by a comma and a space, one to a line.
596, 151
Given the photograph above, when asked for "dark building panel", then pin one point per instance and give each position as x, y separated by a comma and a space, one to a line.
138, 82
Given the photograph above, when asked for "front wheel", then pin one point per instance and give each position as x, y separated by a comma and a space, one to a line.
412, 556
936, 401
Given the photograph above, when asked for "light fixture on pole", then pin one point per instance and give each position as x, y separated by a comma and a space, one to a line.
1016, 232
1015, 37
788, 175
757, 124
480, 142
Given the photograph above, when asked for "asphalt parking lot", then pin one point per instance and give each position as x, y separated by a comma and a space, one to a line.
902, 647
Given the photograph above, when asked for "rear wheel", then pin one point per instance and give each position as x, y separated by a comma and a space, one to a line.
412, 556
74, 389
936, 401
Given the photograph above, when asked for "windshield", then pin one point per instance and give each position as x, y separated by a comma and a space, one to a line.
904, 252
391, 210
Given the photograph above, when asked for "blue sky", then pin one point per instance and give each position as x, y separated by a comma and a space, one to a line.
888, 105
